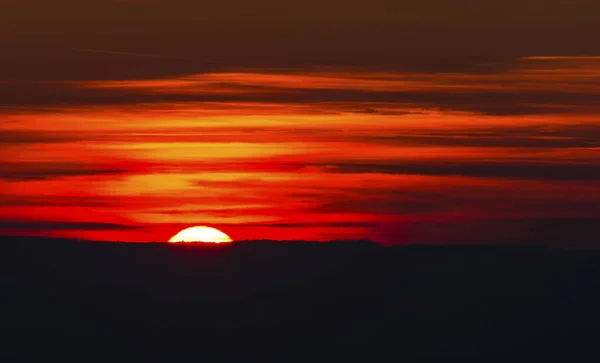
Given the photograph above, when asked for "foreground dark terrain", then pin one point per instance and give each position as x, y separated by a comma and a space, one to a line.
296, 302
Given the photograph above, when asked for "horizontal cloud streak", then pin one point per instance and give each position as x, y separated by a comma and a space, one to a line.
532, 86
306, 153
536, 171
48, 170
33, 226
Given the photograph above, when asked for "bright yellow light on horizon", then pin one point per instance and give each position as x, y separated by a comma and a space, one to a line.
200, 234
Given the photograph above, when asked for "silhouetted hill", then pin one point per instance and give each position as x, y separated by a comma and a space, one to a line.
295, 302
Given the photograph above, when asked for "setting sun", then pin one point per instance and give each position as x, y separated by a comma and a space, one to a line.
200, 234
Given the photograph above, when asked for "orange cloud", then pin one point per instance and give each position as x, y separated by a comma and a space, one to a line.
308, 154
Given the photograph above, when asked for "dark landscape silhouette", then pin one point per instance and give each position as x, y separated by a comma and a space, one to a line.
296, 302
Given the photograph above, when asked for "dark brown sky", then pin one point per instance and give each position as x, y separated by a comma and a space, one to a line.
424, 35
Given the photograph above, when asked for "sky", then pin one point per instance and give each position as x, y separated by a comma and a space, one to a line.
399, 121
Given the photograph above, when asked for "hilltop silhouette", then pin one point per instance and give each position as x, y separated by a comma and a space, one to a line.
295, 302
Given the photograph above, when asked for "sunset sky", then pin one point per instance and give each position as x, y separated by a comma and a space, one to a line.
400, 121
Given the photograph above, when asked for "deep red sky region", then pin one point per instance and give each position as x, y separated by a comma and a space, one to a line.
398, 121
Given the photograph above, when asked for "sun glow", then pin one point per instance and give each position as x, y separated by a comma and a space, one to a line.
200, 234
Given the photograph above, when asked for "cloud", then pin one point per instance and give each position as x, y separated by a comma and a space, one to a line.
36, 137
509, 170
562, 57
311, 224
23, 171
526, 86
53, 201
506, 169
16, 225
526, 136
465, 202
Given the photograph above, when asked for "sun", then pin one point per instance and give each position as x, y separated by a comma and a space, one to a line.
200, 234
